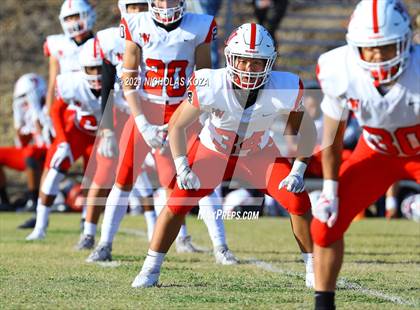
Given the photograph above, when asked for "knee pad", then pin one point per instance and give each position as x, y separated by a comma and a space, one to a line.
51, 184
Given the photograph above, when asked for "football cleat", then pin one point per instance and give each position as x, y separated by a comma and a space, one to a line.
29, 223
36, 235
184, 245
86, 242
102, 253
145, 279
224, 256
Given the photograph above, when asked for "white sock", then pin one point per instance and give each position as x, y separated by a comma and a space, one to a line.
153, 262
183, 232
134, 201
89, 229
212, 216
308, 258
150, 217
42, 214
391, 203
115, 209
84, 211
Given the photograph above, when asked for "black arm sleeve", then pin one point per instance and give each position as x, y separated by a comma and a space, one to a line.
108, 79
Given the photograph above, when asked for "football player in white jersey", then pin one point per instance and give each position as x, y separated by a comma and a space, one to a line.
33, 136
243, 101
77, 18
113, 120
376, 75
166, 44
74, 136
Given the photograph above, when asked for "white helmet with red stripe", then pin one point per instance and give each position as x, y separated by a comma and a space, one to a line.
30, 88
250, 41
122, 4
378, 23
167, 11
91, 55
87, 17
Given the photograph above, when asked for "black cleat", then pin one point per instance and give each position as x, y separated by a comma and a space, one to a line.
30, 223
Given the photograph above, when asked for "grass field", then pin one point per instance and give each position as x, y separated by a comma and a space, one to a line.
381, 271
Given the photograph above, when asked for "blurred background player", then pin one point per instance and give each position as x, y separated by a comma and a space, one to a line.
243, 100
33, 136
115, 115
166, 43
74, 136
77, 18
376, 76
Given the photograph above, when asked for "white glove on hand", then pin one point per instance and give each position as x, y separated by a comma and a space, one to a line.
108, 144
63, 151
326, 208
152, 134
47, 130
185, 177
294, 181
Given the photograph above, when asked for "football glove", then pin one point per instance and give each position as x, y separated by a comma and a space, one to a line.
326, 208
108, 144
294, 181
185, 177
152, 134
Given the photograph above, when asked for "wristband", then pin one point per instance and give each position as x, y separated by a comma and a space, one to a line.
180, 163
298, 167
141, 121
330, 188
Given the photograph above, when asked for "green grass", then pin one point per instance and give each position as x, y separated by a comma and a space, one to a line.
382, 258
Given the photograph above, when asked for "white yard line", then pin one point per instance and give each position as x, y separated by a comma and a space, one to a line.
112, 264
141, 233
342, 283
134, 232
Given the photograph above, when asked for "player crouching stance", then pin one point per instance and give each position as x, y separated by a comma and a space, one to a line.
376, 75
243, 100
74, 136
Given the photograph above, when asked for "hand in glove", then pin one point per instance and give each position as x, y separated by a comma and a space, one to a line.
326, 208
294, 181
108, 144
185, 177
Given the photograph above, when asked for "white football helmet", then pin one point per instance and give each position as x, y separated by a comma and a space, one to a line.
410, 207
379, 23
91, 55
86, 13
172, 13
30, 88
122, 4
250, 41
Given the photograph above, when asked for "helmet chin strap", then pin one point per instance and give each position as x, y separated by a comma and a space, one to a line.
168, 27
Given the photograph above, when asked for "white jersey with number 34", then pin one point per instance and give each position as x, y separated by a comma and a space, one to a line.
232, 130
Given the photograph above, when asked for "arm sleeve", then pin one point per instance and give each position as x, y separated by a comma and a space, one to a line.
108, 79
57, 112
